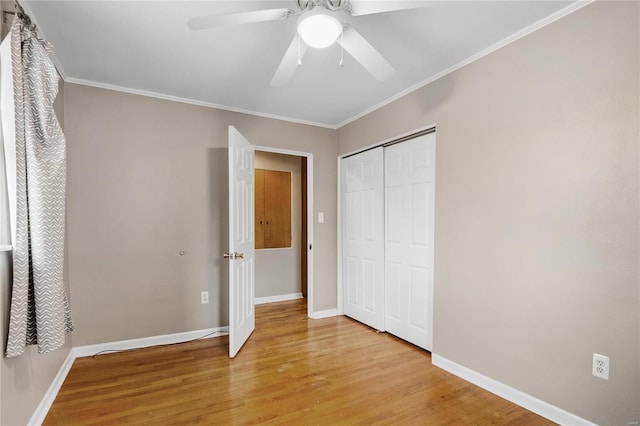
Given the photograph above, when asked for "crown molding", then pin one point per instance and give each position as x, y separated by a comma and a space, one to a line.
499, 45
193, 102
502, 43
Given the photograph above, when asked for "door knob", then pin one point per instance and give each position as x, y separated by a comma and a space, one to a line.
238, 255
227, 256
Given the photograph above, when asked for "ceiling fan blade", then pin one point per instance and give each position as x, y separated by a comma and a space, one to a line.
213, 21
289, 62
368, 7
366, 54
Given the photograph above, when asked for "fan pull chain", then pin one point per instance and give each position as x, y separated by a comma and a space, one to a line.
342, 49
299, 58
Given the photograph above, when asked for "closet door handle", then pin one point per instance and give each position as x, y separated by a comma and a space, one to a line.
237, 255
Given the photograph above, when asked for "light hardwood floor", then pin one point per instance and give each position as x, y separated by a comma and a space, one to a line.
292, 371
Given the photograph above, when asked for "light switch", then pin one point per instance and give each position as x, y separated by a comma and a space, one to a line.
320, 217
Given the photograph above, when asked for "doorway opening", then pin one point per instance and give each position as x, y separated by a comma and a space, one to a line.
283, 228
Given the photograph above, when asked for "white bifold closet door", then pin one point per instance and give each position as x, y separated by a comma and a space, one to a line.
362, 203
387, 200
409, 228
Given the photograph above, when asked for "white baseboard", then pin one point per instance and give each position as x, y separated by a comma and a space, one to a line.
325, 314
145, 342
279, 298
522, 399
47, 400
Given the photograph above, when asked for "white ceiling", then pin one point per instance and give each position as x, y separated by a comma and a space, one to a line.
146, 46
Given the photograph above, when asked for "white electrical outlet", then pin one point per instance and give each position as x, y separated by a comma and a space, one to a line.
204, 297
601, 366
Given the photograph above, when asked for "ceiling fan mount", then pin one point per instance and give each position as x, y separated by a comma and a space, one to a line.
332, 5
317, 27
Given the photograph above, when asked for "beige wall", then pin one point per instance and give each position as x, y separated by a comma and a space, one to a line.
146, 179
536, 251
278, 270
24, 379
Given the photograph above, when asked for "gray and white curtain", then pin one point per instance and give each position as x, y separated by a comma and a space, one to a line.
39, 306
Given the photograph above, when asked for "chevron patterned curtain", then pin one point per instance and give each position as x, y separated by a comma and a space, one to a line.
39, 306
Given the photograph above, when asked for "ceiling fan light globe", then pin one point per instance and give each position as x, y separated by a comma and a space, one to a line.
319, 30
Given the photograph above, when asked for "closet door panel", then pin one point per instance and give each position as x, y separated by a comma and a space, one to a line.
418, 284
393, 281
353, 281
362, 203
409, 183
369, 276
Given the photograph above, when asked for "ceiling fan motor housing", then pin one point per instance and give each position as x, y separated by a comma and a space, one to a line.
333, 5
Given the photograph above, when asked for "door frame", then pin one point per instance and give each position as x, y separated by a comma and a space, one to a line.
391, 140
309, 183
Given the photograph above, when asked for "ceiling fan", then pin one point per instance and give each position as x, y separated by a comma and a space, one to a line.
318, 27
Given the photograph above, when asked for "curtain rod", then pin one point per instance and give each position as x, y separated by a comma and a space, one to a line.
5, 13
19, 12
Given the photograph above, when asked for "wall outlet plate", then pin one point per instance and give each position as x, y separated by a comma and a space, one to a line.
204, 297
601, 366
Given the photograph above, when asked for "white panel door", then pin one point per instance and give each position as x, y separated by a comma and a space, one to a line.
241, 245
362, 205
409, 225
